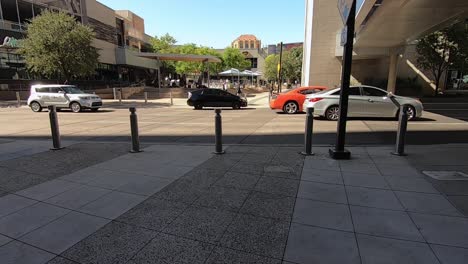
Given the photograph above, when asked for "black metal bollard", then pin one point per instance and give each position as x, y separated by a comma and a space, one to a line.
134, 130
309, 126
218, 133
54, 128
401, 134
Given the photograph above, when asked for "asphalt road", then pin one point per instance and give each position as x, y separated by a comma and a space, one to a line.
454, 107
254, 125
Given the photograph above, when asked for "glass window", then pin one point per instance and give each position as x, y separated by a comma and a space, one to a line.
309, 91
54, 89
241, 44
71, 90
42, 90
352, 91
367, 91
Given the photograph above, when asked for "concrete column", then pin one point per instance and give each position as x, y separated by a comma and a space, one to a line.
307, 43
392, 73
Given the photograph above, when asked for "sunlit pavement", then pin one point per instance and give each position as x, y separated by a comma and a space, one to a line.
257, 124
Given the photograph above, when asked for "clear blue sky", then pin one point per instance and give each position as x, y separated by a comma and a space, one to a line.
216, 23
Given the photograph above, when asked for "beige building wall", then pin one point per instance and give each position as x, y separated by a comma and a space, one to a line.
100, 12
325, 67
106, 51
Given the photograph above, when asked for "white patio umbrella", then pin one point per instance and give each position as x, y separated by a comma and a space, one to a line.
234, 72
252, 74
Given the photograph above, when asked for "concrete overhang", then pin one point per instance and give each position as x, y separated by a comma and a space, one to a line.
394, 23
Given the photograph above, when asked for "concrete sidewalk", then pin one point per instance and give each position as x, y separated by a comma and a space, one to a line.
96, 203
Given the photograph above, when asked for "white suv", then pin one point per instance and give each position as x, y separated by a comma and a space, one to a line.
62, 96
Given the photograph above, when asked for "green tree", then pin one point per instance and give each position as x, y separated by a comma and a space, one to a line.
57, 43
233, 58
292, 64
271, 67
163, 44
440, 50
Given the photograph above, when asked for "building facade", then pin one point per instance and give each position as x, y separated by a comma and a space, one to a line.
119, 35
251, 47
384, 45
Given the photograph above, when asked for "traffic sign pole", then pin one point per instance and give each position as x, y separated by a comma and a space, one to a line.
339, 152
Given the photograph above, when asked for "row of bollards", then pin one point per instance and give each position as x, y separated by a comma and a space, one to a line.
309, 123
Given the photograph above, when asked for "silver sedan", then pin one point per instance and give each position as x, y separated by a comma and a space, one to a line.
364, 101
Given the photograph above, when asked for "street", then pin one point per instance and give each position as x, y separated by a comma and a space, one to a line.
159, 122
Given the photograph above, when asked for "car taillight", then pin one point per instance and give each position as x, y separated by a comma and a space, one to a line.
316, 99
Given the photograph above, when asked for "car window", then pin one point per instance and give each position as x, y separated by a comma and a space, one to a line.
352, 91
310, 91
368, 91
42, 90
71, 90
54, 89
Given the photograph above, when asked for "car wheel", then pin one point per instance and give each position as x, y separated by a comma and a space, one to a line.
236, 105
290, 108
333, 113
75, 107
411, 112
94, 109
36, 107
198, 107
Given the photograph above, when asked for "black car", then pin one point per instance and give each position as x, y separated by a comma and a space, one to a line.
215, 98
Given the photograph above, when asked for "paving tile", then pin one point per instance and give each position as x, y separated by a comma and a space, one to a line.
322, 214
460, 202
170, 249
112, 205
365, 180
77, 197
108, 179
4, 240
387, 223
359, 168
153, 214
322, 192
228, 256
202, 224
16, 252
443, 230
85, 175
410, 184
311, 163
238, 180
249, 168
269, 205
323, 176
180, 191
280, 186
377, 198
427, 203
262, 236
15, 184
12, 203
60, 260
288, 175
451, 255
64, 232
202, 177
144, 185
172, 172
399, 171
112, 244
47, 190
378, 250
29, 218
223, 198
307, 244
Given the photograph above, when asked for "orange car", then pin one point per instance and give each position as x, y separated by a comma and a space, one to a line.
291, 101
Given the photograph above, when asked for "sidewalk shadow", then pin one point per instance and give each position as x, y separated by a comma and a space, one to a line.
225, 109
